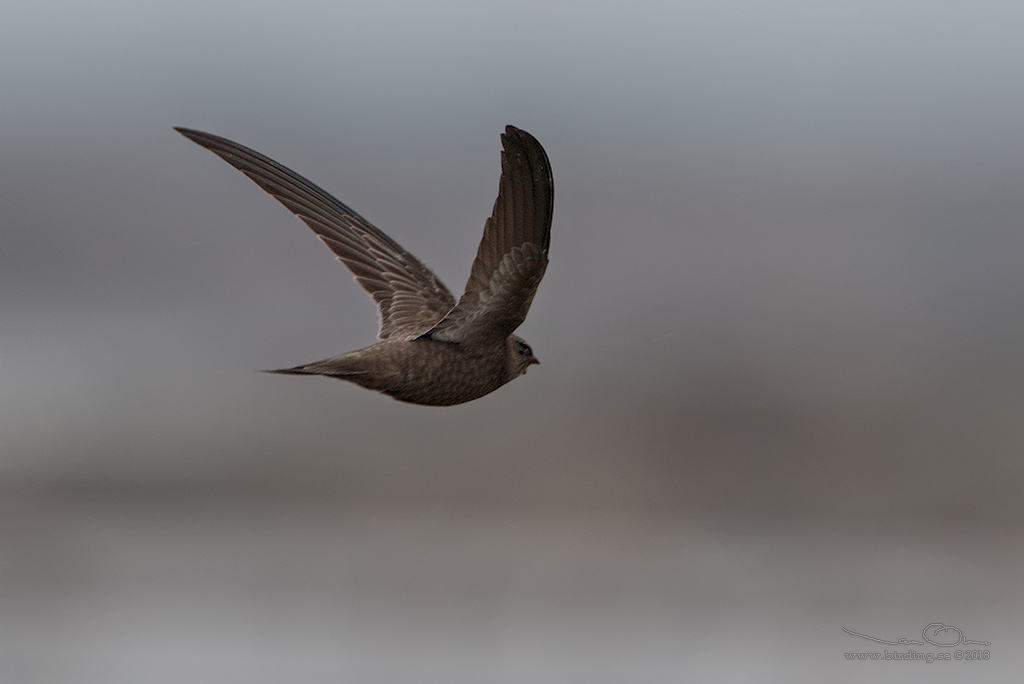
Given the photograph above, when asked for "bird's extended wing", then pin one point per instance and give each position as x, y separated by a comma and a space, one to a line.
410, 297
514, 251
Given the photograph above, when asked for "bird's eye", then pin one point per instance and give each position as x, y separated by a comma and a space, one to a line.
523, 349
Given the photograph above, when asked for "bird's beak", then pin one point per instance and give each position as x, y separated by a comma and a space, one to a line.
533, 360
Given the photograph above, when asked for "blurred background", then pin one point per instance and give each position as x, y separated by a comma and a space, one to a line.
781, 333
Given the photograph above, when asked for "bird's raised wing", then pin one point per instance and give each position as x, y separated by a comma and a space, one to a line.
410, 298
514, 251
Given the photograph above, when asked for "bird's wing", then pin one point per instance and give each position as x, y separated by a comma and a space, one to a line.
514, 251
410, 298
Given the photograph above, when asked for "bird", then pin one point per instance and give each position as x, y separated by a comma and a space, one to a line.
431, 349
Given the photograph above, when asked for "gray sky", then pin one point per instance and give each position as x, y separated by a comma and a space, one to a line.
785, 275
775, 207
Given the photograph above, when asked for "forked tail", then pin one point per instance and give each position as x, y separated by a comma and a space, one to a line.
297, 370
330, 367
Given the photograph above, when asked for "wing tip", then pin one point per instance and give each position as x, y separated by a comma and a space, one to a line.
189, 133
523, 138
520, 143
203, 139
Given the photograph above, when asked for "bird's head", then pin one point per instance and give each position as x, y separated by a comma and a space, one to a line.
521, 355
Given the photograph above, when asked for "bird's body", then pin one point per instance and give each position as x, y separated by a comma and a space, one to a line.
432, 349
420, 371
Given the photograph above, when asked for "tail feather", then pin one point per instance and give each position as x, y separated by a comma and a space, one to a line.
325, 367
297, 370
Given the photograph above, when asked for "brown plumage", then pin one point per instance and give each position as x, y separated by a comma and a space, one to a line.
432, 350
